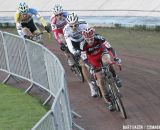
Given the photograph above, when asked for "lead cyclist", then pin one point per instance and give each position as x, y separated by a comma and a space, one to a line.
24, 21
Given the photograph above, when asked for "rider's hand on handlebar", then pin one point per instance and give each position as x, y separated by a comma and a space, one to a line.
77, 53
47, 28
27, 37
63, 47
118, 60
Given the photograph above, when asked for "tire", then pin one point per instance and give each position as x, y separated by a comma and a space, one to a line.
77, 69
78, 72
121, 107
117, 107
118, 102
99, 93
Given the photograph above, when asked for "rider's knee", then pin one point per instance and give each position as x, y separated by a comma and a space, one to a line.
26, 31
82, 64
36, 31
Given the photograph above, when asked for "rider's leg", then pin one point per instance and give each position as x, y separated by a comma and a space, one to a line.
104, 91
87, 77
27, 32
33, 28
101, 82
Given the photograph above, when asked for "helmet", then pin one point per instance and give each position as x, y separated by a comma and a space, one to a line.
88, 33
23, 8
72, 18
57, 9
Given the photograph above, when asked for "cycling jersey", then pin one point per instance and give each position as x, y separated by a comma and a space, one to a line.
73, 38
58, 25
94, 52
26, 20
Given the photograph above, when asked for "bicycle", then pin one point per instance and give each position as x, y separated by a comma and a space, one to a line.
75, 68
111, 86
114, 92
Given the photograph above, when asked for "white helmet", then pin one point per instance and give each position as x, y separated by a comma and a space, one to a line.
72, 18
23, 8
57, 9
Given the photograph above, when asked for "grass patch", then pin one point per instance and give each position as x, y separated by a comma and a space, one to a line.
133, 41
18, 111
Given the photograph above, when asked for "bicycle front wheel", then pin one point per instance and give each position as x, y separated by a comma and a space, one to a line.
121, 107
117, 99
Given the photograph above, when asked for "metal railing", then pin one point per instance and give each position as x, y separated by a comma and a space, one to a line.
33, 62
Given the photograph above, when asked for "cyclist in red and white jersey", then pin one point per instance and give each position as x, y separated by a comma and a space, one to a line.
99, 51
58, 21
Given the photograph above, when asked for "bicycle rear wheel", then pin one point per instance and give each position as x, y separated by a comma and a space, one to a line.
78, 72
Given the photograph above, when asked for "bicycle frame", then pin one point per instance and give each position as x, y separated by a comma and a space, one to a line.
112, 88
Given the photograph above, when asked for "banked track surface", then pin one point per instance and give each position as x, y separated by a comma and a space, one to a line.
141, 82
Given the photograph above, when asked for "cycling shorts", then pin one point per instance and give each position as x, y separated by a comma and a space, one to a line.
30, 25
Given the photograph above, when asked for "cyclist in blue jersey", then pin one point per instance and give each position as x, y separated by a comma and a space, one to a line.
24, 21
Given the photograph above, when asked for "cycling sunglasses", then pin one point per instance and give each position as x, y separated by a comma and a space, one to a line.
74, 26
90, 40
59, 14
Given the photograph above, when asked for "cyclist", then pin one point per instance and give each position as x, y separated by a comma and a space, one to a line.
98, 51
73, 36
58, 21
24, 21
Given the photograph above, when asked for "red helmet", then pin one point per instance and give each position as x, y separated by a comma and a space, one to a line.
88, 33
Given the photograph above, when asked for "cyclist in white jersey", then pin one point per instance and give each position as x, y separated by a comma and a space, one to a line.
73, 36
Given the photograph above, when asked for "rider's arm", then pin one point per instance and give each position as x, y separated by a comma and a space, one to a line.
107, 45
68, 40
53, 23
18, 24
43, 22
17, 21
58, 24
112, 52
83, 45
70, 46
35, 12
